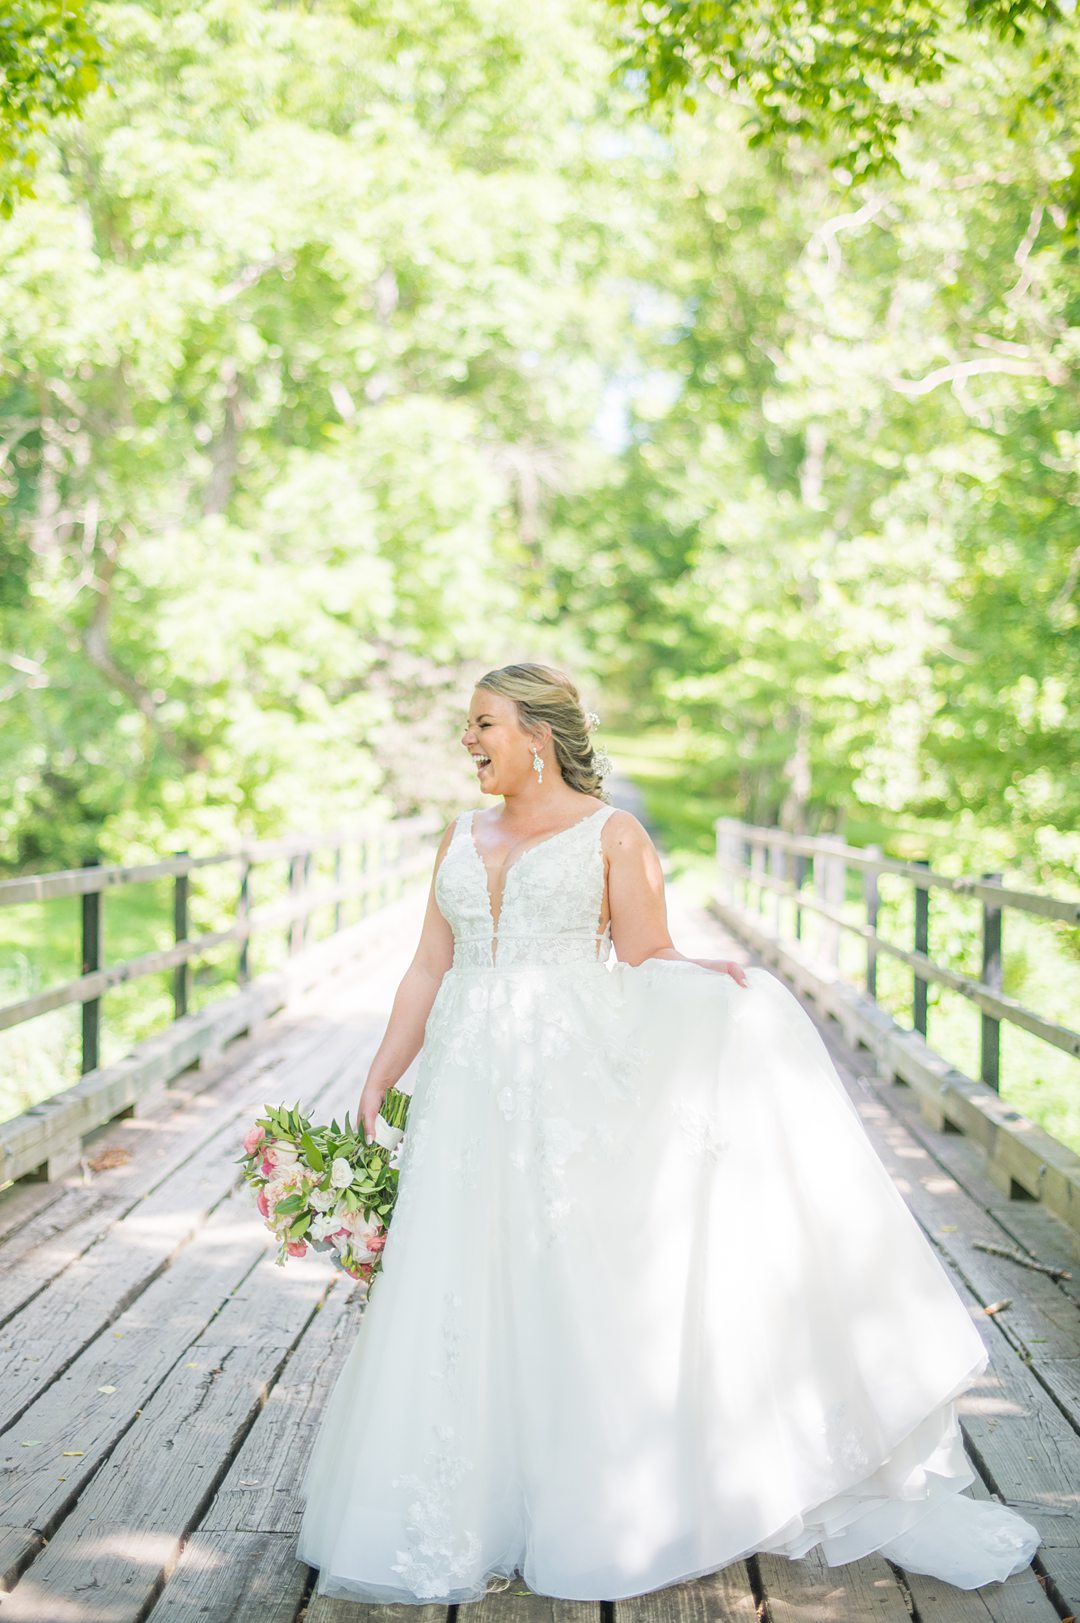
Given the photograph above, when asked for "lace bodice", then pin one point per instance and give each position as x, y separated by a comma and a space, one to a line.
552, 896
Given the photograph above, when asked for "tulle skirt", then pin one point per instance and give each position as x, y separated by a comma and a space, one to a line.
649, 1303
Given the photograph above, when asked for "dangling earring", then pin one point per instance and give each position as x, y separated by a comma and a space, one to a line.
538, 765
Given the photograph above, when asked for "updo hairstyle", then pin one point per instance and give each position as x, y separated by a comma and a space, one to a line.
541, 694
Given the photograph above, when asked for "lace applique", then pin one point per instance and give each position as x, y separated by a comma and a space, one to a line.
507, 1102
845, 1443
450, 1361
604, 1138
552, 895
439, 1555
700, 1131
467, 1161
544, 1153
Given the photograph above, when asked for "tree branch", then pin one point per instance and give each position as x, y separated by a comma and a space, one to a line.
960, 371
95, 641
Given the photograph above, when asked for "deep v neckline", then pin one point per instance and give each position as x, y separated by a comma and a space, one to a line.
518, 860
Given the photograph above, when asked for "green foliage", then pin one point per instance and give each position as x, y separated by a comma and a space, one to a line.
843, 547
839, 72
293, 356
51, 57
306, 335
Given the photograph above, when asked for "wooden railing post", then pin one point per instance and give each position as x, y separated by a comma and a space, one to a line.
373, 852
830, 882
922, 944
734, 850
871, 897
391, 857
992, 976
243, 910
757, 869
295, 873
92, 938
728, 846
799, 879
362, 862
305, 892
776, 868
182, 972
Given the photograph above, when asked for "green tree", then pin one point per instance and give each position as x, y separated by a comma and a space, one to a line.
840, 72
300, 332
51, 56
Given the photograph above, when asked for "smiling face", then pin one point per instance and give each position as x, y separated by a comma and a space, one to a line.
500, 748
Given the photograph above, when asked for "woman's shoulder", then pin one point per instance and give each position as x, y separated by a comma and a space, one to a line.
623, 828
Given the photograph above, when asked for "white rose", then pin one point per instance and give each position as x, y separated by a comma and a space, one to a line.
359, 1228
322, 1226
321, 1200
285, 1155
341, 1173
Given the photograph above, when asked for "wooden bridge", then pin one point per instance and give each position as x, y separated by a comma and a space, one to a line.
162, 1379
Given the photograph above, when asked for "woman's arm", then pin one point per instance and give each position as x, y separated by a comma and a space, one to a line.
639, 926
404, 1034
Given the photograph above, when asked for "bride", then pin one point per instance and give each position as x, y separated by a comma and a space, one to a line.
650, 1302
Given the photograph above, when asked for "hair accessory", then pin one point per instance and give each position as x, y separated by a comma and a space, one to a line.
601, 760
593, 719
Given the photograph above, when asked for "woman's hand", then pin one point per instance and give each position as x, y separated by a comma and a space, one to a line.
639, 926
727, 966
370, 1104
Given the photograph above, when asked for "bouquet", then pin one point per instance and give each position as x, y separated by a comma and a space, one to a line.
327, 1187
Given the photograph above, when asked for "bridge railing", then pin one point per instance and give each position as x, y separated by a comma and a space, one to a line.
761, 868
45, 1140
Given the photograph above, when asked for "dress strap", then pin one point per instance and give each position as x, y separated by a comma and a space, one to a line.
598, 819
460, 826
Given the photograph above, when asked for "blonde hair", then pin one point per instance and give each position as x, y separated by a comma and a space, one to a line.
541, 694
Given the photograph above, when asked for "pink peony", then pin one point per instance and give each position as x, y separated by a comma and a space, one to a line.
262, 1204
252, 1140
267, 1166
375, 1242
298, 1248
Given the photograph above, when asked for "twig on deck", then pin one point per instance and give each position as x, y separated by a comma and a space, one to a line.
1025, 1262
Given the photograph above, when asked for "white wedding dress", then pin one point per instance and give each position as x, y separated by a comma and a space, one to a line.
650, 1302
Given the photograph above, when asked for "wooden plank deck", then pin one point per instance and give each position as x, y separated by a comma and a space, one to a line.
161, 1378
